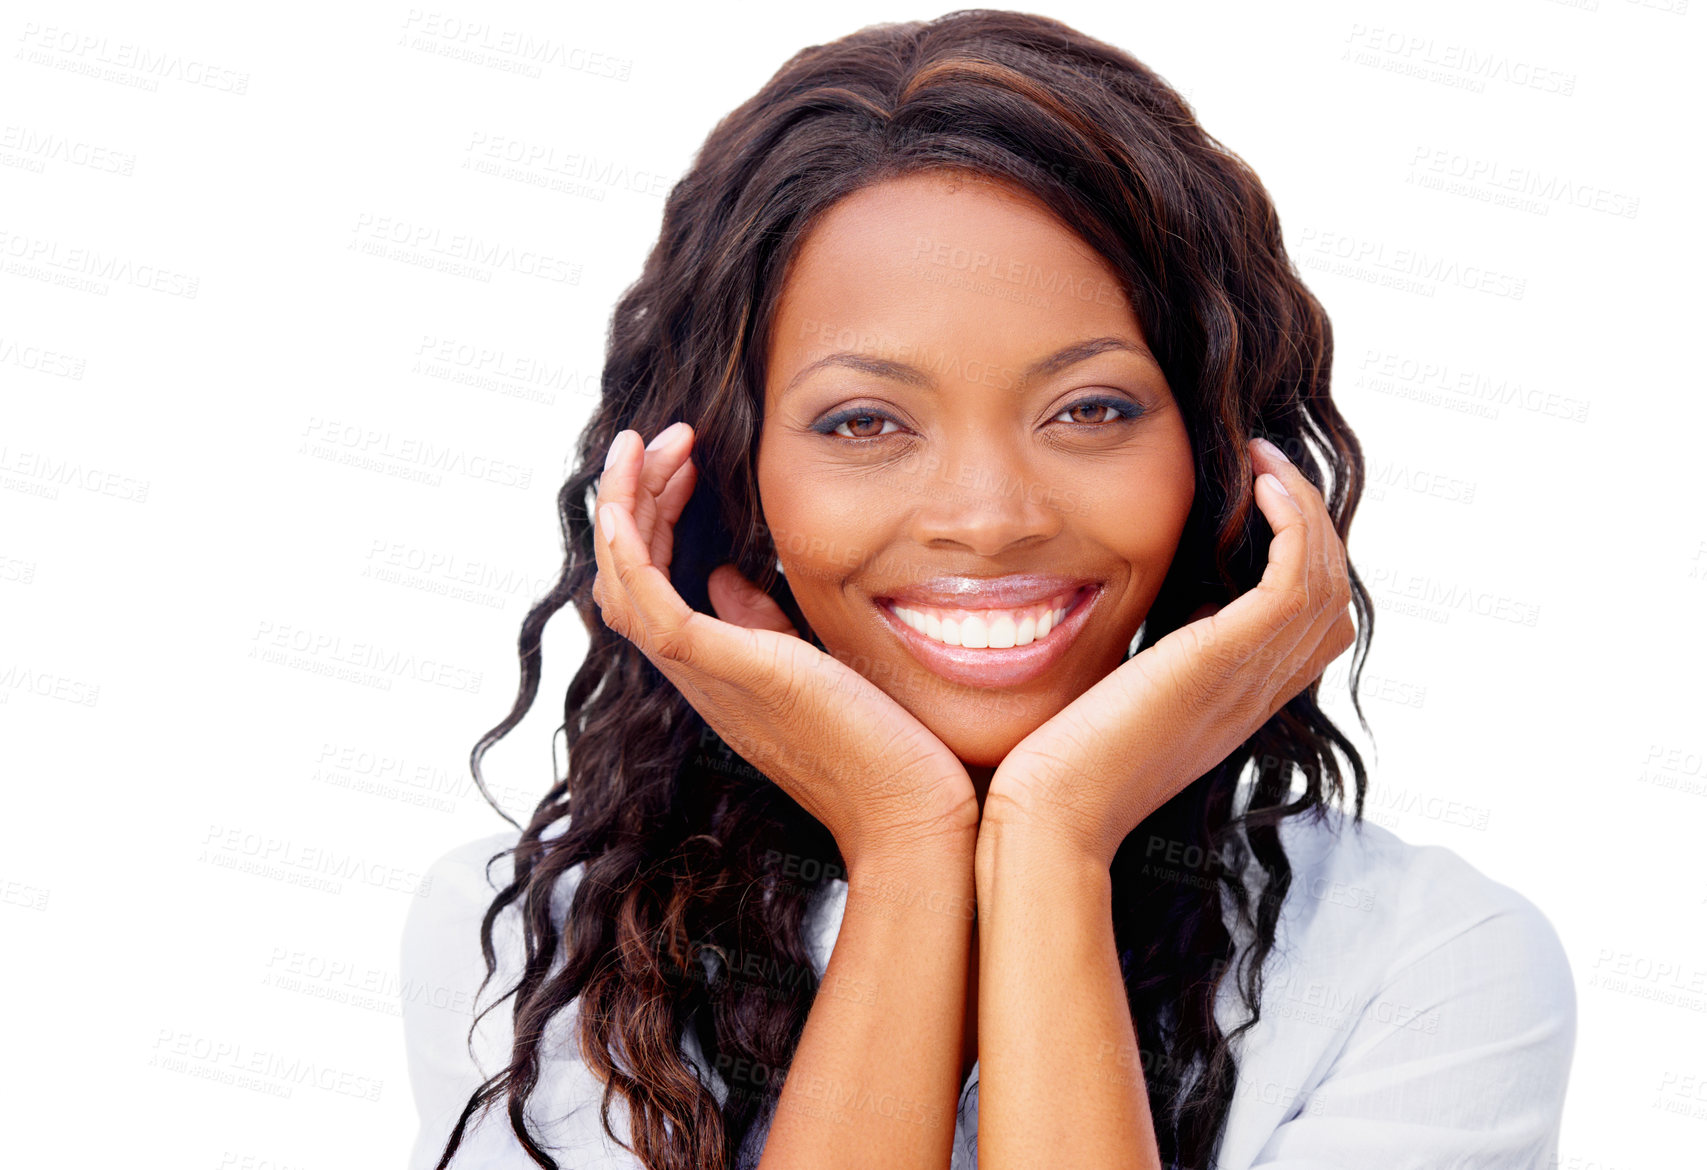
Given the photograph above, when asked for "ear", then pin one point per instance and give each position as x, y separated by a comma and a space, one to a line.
739, 602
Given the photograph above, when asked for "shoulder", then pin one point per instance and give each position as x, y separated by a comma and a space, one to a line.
440, 973
444, 985
456, 891
461, 874
1408, 994
444, 920
1362, 891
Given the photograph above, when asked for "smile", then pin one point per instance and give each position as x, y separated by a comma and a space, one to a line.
993, 647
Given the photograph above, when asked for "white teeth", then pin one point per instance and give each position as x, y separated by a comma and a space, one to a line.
974, 633
990, 629
1026, 634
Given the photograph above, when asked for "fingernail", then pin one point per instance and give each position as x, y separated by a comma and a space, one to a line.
1272, 449
610, 456
606, 524
663, 436
1274, 481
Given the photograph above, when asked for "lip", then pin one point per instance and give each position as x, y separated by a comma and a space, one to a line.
1011, 591
995, 668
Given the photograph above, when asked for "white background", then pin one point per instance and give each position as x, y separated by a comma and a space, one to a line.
210, 842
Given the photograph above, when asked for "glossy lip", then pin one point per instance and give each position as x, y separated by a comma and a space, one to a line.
995, 668
1011, 591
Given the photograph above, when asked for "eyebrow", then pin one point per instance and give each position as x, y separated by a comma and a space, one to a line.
914, 376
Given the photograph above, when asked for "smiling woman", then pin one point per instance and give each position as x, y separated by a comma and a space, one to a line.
947, 783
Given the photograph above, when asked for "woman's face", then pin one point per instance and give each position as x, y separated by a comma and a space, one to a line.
935, 422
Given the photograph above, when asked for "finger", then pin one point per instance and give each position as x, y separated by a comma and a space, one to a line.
657, 496
1319, 522
664, 457
616, 497
655, 615
1327, 581
676, 493
1288, 570
613, 487
1317, 583
1333, 631
1328, 577
671, 501
607, 590
641, 604
654, 469
1260, 626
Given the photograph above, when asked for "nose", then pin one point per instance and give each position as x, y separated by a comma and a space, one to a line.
982, 496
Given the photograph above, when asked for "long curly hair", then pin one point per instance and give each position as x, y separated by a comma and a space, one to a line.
692, 855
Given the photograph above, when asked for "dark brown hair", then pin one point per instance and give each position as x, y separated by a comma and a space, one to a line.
683, 845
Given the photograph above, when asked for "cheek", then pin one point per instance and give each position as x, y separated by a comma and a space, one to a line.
1167, 490
828, 528
817, 541
793, 522
816, 550
1142, 516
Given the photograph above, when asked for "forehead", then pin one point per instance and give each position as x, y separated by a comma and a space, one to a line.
977, 268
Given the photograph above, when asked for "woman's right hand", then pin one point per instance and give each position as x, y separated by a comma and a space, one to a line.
874, 776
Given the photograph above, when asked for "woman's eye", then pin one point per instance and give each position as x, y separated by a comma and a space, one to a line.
867, 425
1090, 407
861, 424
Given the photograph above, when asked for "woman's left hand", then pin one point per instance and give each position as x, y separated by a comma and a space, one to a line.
1091, 773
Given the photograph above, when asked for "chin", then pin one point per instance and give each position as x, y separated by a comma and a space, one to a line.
981, 747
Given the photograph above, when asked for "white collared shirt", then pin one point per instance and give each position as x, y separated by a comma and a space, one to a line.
1415, 1013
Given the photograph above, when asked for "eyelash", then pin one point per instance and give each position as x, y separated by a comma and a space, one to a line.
1124, 409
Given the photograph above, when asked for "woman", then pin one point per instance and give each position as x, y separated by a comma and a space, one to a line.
990, 819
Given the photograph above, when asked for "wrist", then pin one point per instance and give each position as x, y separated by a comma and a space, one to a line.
916, 887
941, 858
1040, 855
